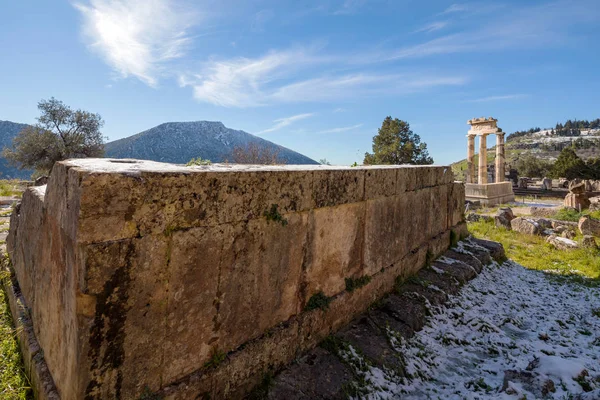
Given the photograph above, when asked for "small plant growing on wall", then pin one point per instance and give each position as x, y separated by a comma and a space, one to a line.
352, 284
454, 238
216, 359
318, 300
273, 215
198, 161
428, 258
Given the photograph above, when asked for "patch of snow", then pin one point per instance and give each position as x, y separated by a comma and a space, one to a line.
444, 260
566, 241
536, 327
438, 270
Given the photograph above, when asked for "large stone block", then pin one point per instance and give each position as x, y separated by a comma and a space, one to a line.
334, 187
117, 206
335, 249
380, 182
143, 275
382, 245
28, 218
260, 285
456, 203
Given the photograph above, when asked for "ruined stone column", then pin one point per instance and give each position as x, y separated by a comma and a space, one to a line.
482, 160
470, 156
500, 157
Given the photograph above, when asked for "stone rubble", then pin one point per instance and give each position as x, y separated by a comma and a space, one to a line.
526, 225
561, 243
589, 226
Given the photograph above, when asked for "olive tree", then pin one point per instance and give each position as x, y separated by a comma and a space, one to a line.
60, 133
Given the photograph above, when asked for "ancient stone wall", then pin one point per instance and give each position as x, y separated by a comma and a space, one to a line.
145, 277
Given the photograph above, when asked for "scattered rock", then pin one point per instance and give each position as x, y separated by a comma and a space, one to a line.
559, 229
594, 203
472, 205
41, 181
472, 217
527, 226
577, 197
588, 241
547, 184
544, 223
562, 243
576, 186
522, 183
589, 226
531, 381
503, 218
577, 201
568, 224
568, 234
544, 212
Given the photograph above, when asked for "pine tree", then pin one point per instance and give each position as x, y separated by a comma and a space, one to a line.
569, 165
395, 143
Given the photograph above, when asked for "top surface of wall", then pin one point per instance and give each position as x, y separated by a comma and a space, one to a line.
120, 199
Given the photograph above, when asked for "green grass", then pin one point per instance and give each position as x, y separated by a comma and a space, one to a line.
570, 214
10, 187
13, 382
533, 252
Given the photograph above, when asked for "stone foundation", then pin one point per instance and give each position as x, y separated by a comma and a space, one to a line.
140, 277
490, 194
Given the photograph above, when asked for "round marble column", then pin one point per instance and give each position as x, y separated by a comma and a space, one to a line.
483, 177
470, 157
500, 173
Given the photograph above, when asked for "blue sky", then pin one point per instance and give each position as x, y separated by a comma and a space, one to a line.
316, 76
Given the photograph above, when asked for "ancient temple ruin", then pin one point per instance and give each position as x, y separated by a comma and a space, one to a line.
499, 191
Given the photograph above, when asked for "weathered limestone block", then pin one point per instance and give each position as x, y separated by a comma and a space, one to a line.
561, 243
588, 241
577, 201
336, 187
522, 183
547, 184
25, 250
143, 276
589, 226
503, 218
456, 206
577, 186
527, 226
381, 182
335, 250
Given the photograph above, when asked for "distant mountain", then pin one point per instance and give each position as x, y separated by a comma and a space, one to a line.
179, 142
8, 130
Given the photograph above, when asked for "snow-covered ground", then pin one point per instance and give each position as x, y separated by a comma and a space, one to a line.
512, 333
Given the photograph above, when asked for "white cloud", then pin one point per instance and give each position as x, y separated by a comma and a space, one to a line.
339, 110
497, 98
243, 82
286, 77
527, 27
342, 87
342, 129
349, 7
453, 8
283, 122
260, 19
432, 27
136, 37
